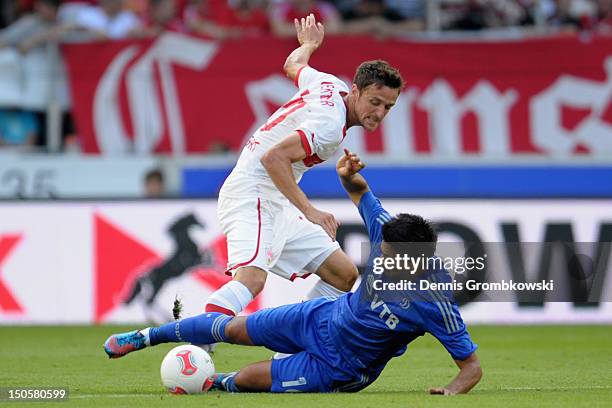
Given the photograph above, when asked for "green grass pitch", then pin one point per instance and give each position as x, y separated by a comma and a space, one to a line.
526, 366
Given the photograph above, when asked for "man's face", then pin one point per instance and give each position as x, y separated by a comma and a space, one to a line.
373, 103
154, 188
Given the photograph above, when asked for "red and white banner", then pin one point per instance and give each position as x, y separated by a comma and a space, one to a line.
114, 261
177, 94
125, 261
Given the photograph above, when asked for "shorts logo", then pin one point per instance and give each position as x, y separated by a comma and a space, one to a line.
269, 255
295, 383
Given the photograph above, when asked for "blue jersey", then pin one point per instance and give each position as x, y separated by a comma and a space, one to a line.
368, 329
344, 344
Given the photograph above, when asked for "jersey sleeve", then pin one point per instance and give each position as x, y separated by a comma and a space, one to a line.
447, 326
373, 215
321, 134
306, 75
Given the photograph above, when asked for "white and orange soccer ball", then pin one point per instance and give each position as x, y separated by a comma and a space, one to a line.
187, 370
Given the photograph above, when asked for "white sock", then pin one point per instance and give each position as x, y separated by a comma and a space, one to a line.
145, 333
230, 299
323, 289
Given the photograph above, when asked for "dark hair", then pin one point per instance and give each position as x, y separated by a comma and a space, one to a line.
410, 228
155, 174
378, 73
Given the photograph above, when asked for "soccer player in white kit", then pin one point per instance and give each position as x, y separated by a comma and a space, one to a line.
270, 224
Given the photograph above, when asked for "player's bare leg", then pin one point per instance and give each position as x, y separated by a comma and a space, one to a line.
338, 275
256, 377
252, 277
339, 271
236, 332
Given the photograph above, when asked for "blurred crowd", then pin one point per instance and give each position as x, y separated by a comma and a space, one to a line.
223, 19
566, 15
30, 25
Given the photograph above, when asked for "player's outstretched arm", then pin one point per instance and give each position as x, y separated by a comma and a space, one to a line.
348, 167
310, 35
469, 375
277, 162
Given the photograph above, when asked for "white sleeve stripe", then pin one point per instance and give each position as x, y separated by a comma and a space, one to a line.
216, 327
448, 330
213, 330
447, 312
449, 307
452, 318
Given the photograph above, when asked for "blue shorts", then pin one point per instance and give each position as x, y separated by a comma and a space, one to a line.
301, 330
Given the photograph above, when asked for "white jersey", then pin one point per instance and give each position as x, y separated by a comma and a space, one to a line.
317, 112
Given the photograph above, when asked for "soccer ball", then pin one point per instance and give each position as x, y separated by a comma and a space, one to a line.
187, 370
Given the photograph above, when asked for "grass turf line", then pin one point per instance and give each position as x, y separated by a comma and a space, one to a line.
524, 366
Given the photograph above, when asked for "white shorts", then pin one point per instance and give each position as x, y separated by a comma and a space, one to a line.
274, 237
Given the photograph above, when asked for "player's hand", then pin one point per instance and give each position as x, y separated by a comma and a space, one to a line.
309, 31
349, 164
326, 220
440, 391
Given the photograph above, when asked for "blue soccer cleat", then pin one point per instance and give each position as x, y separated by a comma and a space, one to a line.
118, 345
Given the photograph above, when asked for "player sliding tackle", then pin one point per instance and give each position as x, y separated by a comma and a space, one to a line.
270, 224
341, 344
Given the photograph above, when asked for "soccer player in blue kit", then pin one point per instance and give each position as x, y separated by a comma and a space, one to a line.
337, 345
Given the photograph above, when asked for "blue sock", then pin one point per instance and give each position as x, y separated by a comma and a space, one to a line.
207, 328
230, 384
